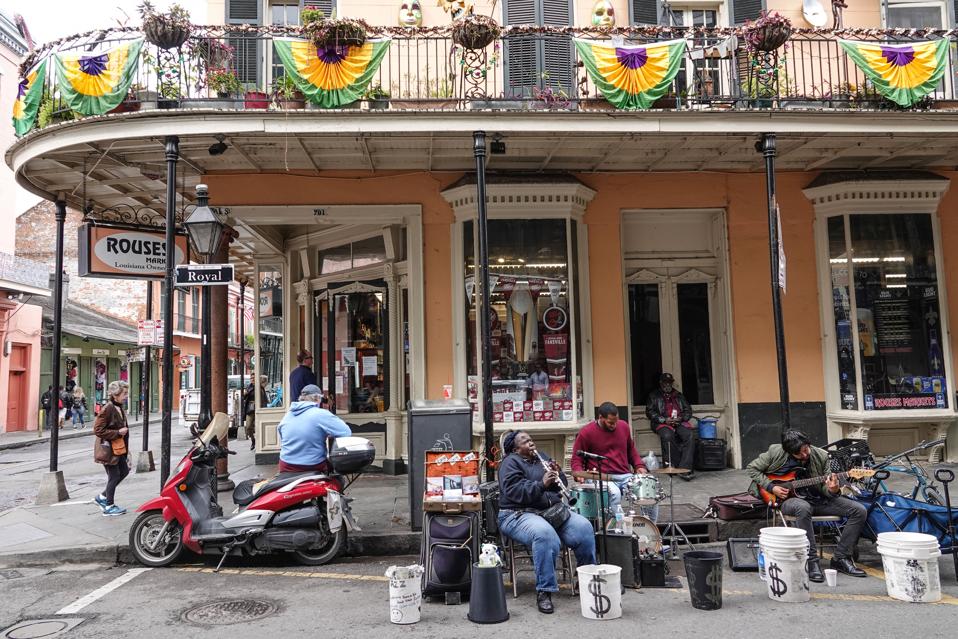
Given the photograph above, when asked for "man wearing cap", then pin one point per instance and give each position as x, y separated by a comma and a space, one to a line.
669, 412
302, 376
303, 433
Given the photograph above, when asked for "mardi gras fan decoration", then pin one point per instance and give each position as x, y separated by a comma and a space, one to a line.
331, 76
98, 82
27, 103
903, 73
631, 76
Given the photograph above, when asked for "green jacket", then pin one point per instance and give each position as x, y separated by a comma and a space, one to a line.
772, 460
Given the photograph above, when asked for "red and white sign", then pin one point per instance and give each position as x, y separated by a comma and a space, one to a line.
149, 333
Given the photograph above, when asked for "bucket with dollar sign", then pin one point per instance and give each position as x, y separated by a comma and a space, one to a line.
704, 572
600, 591
786, 554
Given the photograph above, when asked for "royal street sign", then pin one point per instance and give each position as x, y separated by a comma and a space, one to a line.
204, 274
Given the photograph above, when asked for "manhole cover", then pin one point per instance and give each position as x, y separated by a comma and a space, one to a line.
223, 613
40, 628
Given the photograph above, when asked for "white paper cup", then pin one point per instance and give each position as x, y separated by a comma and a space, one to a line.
831, 577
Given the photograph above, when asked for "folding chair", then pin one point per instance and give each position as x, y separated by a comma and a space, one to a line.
515, 551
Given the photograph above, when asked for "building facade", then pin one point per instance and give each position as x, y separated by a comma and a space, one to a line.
621, 243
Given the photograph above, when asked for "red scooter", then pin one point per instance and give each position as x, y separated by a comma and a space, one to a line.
305, 514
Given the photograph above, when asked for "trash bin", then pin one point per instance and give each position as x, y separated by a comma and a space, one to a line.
704, 572
434, 424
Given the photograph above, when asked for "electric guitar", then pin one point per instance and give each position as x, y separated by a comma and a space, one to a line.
793, 483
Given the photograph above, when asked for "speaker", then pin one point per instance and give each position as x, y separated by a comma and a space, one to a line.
743, 553
621, 550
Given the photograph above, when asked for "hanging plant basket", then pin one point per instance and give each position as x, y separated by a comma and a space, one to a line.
475, 32
166, 30
339, 32
769, 37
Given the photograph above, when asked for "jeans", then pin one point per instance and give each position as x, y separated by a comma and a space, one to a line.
545, 542
854, 513
114, 475
617, 487
78, 416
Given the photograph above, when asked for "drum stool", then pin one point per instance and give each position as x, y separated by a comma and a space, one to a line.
822, 525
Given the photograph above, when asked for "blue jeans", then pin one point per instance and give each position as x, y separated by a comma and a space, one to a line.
544, 541
617, 486
78, 414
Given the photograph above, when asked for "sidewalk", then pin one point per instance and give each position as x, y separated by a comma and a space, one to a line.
23, 438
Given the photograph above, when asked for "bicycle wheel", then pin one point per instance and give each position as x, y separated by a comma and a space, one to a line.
932, 496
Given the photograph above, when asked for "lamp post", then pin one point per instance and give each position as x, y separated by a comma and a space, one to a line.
206, 232
479, 151
241, 307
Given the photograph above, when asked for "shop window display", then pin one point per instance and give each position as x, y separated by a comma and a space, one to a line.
890, 259
529, 320
360, 346
270, 362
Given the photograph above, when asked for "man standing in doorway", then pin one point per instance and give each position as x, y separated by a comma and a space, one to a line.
302, 376
669, 412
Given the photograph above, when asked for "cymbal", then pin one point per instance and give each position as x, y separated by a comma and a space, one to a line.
671, 470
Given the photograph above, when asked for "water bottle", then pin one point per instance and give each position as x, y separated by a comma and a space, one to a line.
619, 518
761, 564
650, 461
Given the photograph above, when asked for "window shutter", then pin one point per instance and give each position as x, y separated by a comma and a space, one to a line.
519, 52
556, 50
520, 12
246, 47
743, 10
647, 11
328, 7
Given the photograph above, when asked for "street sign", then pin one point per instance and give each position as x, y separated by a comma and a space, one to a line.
149, 333
204, 274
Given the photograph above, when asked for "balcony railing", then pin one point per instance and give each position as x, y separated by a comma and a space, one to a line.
528, 68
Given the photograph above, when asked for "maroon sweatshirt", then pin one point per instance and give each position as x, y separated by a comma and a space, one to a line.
618, 446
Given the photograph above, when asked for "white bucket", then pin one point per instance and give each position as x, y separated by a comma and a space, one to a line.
600, 591
910, 561
405, 593
786, 554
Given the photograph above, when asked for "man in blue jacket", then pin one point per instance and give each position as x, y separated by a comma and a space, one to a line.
303, 433
302, 376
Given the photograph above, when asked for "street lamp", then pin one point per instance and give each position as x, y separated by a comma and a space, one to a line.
205, 229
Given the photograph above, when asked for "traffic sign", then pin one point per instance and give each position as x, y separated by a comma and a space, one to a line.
204, 274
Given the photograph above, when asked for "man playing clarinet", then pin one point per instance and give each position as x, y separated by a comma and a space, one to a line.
611, 438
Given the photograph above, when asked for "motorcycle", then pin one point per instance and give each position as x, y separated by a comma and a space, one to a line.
306, 514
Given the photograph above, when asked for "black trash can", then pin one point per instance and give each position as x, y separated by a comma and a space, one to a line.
487, 598
704, 571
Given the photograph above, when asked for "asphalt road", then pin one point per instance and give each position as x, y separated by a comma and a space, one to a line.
349, 600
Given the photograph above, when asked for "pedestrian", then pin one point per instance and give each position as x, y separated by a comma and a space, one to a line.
302, 376
64, 401
112, 446
249, 402
79, 407
46, 401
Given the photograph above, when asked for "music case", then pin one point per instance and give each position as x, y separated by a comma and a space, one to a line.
456, 479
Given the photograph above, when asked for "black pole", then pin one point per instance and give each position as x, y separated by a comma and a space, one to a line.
479, 150
172, 155
242, 362
145, 378
766, 146
54, 416
206, 371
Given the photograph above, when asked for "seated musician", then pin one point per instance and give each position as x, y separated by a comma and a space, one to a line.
526, 487
796, 454
610, 437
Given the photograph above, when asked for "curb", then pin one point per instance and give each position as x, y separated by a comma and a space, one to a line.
46, 440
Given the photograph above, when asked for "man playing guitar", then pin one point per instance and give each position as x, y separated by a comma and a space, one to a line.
796, 455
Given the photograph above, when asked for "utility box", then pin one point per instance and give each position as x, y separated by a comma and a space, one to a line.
434, 424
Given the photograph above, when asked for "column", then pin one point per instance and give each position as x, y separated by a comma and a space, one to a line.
392, 463
219, 359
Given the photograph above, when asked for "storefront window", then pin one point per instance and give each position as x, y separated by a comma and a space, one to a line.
896, 308
270, 362
359, 359
529, 321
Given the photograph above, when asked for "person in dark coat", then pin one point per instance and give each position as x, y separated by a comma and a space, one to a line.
109, 426
302, 376
670, 415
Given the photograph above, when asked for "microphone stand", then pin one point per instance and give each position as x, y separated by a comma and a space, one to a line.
602, 506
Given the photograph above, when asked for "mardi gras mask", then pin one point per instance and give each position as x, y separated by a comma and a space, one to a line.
410, 14
456, 8
603, 14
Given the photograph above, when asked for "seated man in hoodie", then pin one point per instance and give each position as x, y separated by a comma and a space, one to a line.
303, 433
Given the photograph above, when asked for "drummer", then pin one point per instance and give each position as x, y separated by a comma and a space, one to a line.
610, 437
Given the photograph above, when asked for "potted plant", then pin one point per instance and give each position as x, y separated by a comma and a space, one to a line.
771, 31
334, 32
286, 95
377, 97
225, 85
131, 102
166, 30
53, 111
475, 32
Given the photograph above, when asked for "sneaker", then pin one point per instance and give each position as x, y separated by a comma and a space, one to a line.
101, 502
113, 510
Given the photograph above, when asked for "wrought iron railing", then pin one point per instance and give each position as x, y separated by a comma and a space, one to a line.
528, 68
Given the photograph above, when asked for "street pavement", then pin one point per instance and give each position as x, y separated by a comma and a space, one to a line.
349, 599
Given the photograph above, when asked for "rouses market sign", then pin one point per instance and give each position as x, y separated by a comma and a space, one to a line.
123, 252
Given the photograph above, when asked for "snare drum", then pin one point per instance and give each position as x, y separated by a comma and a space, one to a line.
644, 488
587, 501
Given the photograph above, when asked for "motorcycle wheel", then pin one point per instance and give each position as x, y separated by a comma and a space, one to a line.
324, 554
144, 530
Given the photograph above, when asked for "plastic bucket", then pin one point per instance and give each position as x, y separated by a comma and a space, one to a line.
405, 593
786, 555
487, 596
704, 572
600, 591
708, 428
910, 561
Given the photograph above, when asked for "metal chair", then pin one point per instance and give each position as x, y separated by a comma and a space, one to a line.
516, 551
822, 525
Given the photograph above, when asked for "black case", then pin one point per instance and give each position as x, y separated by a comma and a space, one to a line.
450, 545
742, 553
710, 454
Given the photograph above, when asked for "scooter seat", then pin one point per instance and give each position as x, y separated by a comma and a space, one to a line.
247, 491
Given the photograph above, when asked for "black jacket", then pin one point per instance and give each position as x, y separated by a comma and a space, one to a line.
520, 484
655, 408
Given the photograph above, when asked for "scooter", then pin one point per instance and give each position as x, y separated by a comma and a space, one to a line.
305, 514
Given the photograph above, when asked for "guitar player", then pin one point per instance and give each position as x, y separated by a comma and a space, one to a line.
796, 454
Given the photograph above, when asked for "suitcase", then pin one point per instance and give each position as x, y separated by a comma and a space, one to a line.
450, 545
737, 506
489, 491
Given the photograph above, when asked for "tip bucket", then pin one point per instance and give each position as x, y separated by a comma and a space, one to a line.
786, 555
405, 593
910, 561
487, 596
704, 572
600, 591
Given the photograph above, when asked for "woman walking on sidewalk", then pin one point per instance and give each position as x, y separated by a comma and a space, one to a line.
79, 407
110, 448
